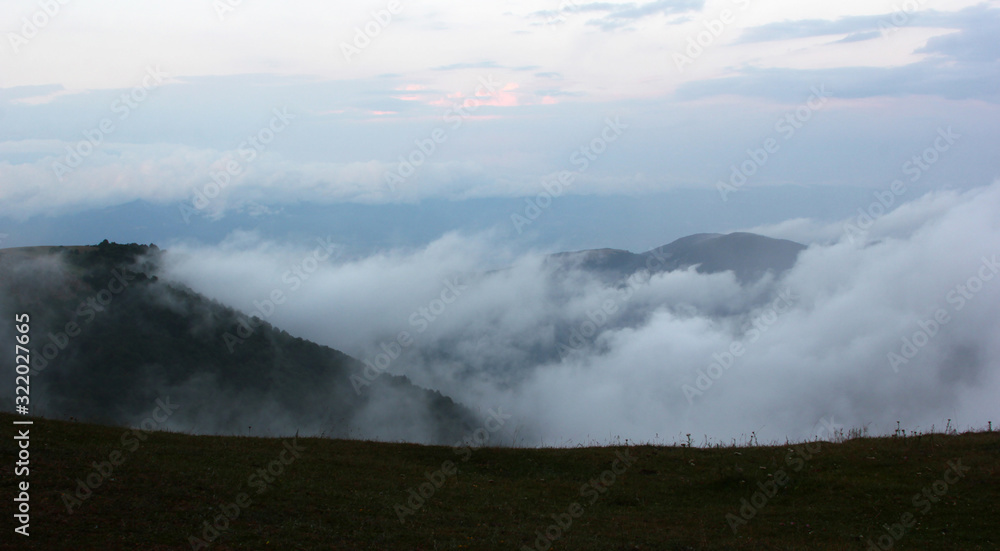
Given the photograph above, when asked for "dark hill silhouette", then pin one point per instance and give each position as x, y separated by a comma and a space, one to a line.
119, 338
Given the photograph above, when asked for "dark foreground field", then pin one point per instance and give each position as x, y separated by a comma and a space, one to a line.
167, 490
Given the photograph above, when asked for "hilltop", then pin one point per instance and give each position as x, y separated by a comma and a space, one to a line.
110, 338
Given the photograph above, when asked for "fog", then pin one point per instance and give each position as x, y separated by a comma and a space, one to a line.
892, 320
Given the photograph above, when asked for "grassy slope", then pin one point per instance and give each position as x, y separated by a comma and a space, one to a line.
341, 494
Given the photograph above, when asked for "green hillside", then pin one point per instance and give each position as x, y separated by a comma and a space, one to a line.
109, 338
340, 494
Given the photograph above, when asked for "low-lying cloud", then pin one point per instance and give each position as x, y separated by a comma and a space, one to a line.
897, 323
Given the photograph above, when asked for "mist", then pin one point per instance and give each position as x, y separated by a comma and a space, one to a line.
885, 318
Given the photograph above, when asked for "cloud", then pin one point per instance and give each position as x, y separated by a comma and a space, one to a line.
31, 94
464, 66
956, 65
688, 129
869, 218
120, 173
883, 24
790, 30
860, 36
976, 43
577, 359
930, 77
617, 16
628, 13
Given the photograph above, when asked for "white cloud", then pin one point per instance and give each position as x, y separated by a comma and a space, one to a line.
827, 355
119, 173
305, 38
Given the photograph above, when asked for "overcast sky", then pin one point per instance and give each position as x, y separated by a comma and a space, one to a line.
107, 103
430, 139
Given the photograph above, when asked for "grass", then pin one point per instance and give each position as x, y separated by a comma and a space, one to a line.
341, 494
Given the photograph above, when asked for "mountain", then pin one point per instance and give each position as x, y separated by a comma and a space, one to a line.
109, 339
748, 256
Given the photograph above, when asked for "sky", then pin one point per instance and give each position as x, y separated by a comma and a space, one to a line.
440, 140
221, 115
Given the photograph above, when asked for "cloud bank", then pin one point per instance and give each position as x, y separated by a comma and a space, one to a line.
893, 322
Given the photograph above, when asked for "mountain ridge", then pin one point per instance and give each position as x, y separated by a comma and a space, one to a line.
749, 256
116, 337
109, 338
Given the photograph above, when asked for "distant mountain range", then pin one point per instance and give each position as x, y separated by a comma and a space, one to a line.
748, 256
110, 338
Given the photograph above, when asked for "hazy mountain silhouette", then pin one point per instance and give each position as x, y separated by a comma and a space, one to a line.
747, 255
109, 338
119, 338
